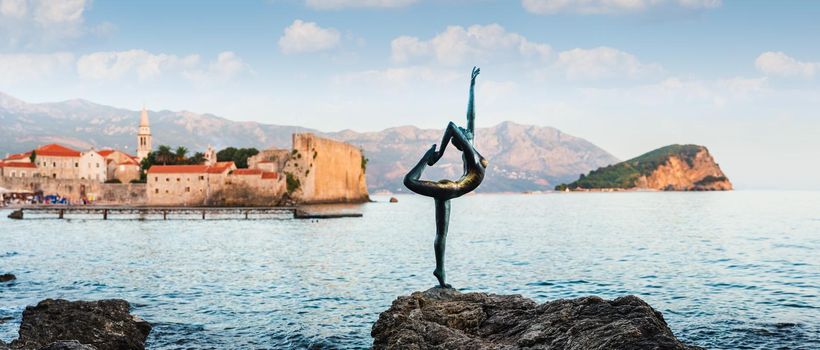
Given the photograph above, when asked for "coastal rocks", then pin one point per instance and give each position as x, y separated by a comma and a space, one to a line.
7, 277
447, 319
67, 345
104, 324
17, 214
394, 200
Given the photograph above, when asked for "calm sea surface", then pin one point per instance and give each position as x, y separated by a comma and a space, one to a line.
735, 270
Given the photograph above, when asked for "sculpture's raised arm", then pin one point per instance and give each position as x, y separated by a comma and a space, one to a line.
471, 106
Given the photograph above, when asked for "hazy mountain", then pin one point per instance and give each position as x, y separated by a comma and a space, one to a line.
522, 157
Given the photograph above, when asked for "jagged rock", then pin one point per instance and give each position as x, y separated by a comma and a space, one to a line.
447, 319
3, 346
394, 200
6, 277
67, 345
104, 324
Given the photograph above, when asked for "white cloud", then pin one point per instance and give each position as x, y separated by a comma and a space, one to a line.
13, 8
338, 4
62, 11
780, 64
115, 65
457, 45
15, 68
611, 6
303, 36
30, 23
691, 93
227, 66
602, 63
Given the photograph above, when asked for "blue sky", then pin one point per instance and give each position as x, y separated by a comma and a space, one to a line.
740, 77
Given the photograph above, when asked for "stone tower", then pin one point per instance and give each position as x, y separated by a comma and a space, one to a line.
210, 156
143, 136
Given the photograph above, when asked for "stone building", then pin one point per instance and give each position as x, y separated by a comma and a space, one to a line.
92, 166
120, 166
18, 169
188, 185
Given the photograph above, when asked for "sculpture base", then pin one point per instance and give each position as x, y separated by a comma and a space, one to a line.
446, 318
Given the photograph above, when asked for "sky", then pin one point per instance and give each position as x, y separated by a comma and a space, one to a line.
738, 76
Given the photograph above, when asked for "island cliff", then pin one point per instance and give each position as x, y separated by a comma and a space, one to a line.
670, 168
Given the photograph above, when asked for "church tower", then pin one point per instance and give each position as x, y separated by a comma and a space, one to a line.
143, 136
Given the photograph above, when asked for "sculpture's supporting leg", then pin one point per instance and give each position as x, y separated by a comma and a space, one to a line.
442, 221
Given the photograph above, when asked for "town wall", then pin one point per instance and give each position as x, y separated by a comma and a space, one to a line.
75, 190
327, 170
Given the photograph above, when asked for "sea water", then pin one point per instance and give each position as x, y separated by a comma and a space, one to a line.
728, 270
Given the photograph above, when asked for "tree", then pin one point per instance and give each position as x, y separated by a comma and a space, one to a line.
164, 155
33, 156
197, 158
180, 153
237, 155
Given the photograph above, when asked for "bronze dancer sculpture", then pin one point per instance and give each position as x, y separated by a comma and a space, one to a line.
443, 191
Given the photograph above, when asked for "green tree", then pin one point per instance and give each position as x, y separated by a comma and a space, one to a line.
33, 156
237, 155
197, 158
180, 154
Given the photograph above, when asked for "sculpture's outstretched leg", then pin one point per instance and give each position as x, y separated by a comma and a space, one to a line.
442, 221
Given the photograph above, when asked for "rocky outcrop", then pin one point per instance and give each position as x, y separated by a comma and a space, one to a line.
447, 319
695, 173
670, 168
67, 345
104, 324
7, 277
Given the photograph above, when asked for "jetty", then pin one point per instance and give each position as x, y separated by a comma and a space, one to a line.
170, 213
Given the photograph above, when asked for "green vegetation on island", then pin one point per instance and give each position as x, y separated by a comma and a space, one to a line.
625, 174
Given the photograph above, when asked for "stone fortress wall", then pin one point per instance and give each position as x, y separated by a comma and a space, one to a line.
327, 170
101, 193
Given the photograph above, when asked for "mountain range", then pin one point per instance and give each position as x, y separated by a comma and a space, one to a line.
522, 157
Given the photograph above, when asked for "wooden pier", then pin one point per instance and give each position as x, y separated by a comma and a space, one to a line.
169, 213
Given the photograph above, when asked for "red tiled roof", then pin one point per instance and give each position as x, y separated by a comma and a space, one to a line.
105, 152
220, 167
265, 162
17, 165
55, 150
269, 175
178, 169
19, 156
247, 172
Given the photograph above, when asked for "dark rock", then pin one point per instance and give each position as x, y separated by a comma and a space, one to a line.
7, 277
3, 346
67, 345
104, 324
394, 200
447, 319
17, 214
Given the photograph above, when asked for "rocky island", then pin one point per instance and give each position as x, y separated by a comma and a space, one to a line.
443, 318
670, 168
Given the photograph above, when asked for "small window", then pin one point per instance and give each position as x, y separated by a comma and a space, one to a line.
98, 165
166, 191
177, 179
187, 189
77, 165
53, 164
156, 191
201, 178
156, 178
167, 179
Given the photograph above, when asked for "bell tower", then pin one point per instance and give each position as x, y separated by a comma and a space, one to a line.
143, 136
